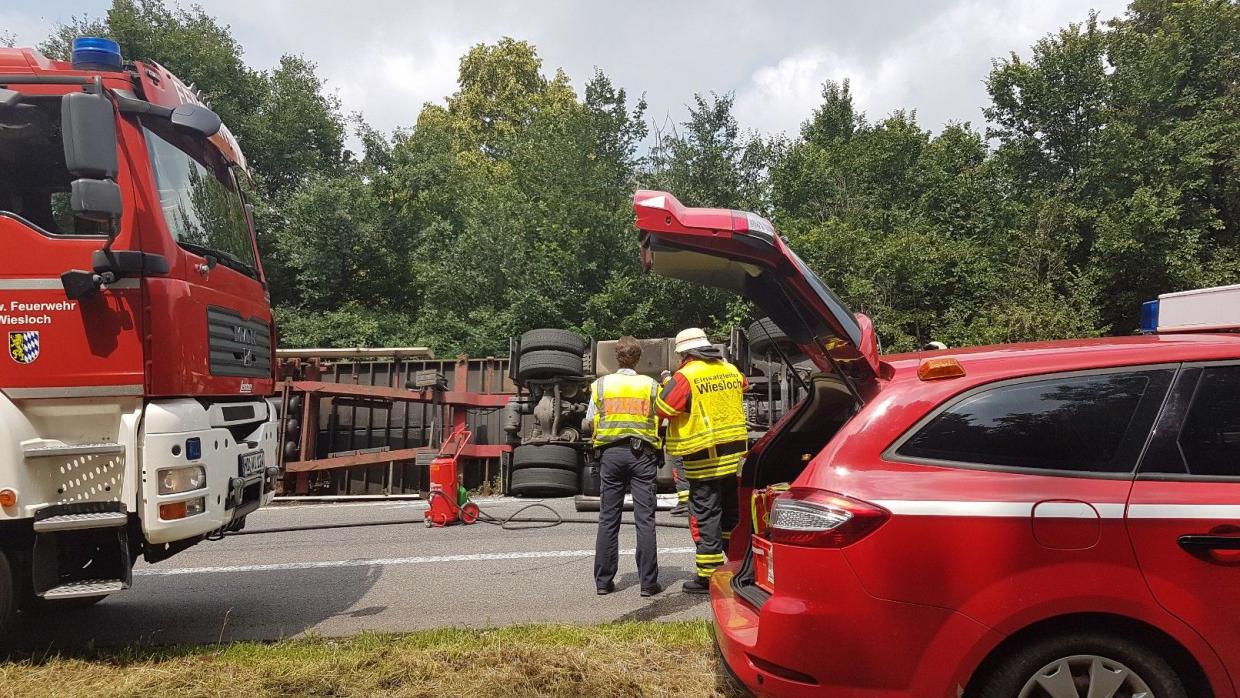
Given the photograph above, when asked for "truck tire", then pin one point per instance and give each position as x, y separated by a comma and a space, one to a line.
548, 456
765, 334
548, 363
553, 340
8, 598
543, 482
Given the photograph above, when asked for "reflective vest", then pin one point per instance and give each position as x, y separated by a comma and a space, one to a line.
624, 407
711, 436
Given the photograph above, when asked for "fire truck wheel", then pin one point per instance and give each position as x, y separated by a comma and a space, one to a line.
543, 482
548, 363
555, 340
548, 456
8, 597
764, 334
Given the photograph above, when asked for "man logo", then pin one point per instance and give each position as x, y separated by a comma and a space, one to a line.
245, 335
24, 346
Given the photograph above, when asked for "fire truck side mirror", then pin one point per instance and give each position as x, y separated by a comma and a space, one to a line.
96, 200
88, 123
89, 127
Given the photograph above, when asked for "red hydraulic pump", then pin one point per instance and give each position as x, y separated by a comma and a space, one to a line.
449, 502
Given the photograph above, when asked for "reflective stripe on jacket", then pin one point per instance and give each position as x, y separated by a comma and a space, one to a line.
625, 408
711, 436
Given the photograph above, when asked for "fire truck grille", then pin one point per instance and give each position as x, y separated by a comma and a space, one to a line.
239, 347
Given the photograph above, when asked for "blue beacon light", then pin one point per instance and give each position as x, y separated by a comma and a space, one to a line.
1149, 317
95, 53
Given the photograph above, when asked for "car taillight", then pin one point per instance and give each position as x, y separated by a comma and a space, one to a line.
822, 519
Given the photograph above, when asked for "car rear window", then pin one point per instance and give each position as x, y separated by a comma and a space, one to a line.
1081, 423
1208, 443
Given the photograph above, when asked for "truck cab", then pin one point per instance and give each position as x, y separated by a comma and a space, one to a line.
135, 398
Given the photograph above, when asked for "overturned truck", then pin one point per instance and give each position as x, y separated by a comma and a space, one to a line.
553, 370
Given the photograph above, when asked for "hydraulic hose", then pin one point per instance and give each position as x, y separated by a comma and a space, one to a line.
503, 522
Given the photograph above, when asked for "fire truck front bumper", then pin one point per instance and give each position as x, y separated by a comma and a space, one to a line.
206, 466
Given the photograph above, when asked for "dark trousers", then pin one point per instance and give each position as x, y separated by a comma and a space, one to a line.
714, 512
623, 469
682, 484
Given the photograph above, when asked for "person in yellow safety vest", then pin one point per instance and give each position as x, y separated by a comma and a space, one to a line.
678, 469
703, 402
626, 441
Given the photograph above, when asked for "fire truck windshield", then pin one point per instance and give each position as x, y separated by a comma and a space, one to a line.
34, 184
201, 204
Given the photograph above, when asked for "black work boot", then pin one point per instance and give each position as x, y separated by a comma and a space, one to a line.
697, 585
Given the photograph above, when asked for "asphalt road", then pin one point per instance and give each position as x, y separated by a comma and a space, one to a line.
340, 581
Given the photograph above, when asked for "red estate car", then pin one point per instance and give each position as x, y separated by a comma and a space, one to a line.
1059, 519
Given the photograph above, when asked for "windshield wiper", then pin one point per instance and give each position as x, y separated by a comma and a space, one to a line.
225, 258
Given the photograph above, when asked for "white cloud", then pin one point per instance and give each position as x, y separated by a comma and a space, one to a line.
937, 70
386, 57
397, 82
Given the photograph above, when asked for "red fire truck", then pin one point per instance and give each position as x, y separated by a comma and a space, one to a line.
136, 416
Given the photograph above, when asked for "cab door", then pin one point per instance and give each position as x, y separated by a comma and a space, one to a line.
57, 347
215, 301
1184, 509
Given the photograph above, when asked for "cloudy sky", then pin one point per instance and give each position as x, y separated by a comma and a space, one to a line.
387, 57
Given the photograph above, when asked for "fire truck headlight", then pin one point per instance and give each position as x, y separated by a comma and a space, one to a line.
176, 480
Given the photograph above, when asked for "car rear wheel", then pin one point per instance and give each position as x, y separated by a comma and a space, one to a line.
548, 363
1079, 664
555, 340
543, 482
547, 456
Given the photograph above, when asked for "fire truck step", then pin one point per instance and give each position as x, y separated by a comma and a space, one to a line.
85, 587
76, 522
49, 448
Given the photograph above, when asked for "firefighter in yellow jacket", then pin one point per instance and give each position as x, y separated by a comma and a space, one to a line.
626, 442
703, 402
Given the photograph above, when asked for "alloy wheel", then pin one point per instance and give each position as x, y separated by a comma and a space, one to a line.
1085, 676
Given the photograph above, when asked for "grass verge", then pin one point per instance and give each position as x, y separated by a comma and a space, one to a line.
627, 659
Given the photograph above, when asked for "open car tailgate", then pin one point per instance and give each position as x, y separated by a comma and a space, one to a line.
742, 252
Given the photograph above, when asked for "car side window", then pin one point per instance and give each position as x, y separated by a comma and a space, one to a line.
1208, 441
1083, 423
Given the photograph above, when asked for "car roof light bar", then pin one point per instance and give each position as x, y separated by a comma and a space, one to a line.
1200, 310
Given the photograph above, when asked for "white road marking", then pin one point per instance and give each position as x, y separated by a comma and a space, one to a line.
388, 561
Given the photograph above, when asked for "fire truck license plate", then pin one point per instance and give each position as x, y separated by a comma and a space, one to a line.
250, 463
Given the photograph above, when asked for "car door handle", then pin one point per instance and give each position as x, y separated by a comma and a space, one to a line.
1204, 543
